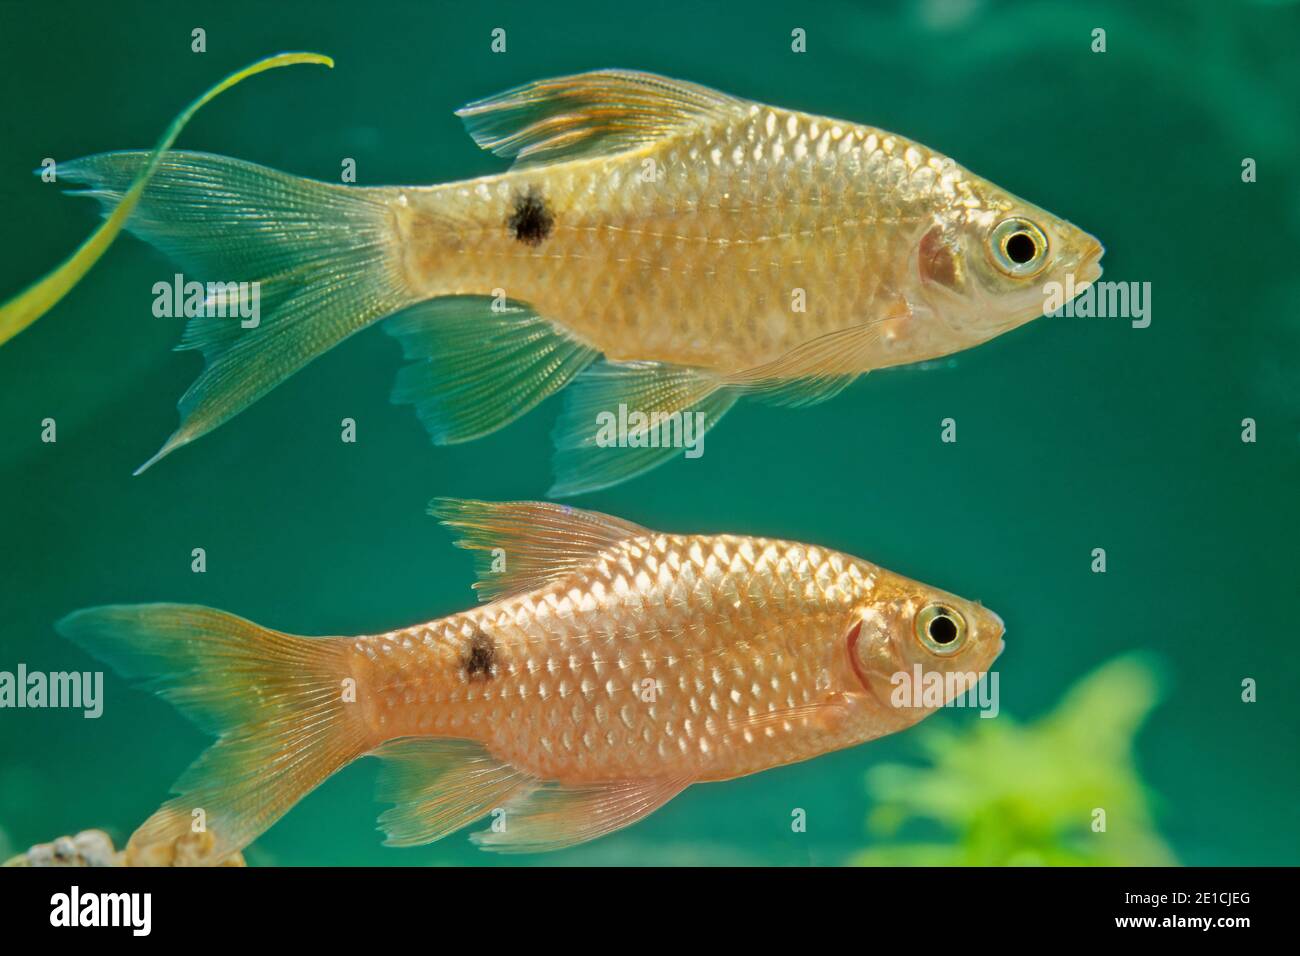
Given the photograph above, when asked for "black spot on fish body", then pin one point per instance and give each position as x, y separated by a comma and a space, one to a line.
530, 221
480, 660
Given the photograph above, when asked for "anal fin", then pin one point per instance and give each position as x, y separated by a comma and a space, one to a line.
439, 785
479, 367
679, 405
555, 816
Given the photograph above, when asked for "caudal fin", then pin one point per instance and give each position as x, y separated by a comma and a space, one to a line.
323, 258
276, 703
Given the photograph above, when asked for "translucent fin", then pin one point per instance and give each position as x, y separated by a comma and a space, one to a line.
804, 392
323, 257
439, 786
592, 114
37, 299
478, 369
274, 701
815, 371
685, 402
584, 457
541, 542
554, 816
826, 715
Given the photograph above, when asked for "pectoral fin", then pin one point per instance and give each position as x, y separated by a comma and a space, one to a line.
554, 816
816, 371
826, 715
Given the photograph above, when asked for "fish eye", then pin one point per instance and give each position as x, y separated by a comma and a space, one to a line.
941, 629
1018, 247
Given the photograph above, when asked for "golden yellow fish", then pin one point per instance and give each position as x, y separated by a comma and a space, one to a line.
610, 668
669, 247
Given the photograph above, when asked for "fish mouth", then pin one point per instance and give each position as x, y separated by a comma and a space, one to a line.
1001, 631
1088, 267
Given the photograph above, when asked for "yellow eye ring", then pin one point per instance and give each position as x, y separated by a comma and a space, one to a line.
941, 629
1018, 247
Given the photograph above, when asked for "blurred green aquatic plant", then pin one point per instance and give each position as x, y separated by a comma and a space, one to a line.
1011, 794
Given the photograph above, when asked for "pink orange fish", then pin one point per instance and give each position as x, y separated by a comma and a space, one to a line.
610, 668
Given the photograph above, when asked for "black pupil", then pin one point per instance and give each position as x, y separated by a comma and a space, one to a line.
1021, 248
943, 629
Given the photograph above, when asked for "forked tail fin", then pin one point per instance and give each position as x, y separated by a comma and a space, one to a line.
320, 260
41, 296
277, 703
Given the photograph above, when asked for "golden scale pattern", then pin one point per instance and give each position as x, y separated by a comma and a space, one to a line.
722, 628
698, 267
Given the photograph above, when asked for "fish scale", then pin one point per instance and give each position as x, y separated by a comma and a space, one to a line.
609, 668
722, 631
622, 267
657, 245
770, 253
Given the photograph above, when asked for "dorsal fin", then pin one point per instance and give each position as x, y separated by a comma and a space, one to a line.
590, 114
539, 541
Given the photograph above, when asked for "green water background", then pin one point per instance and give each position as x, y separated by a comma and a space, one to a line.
1073, 433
